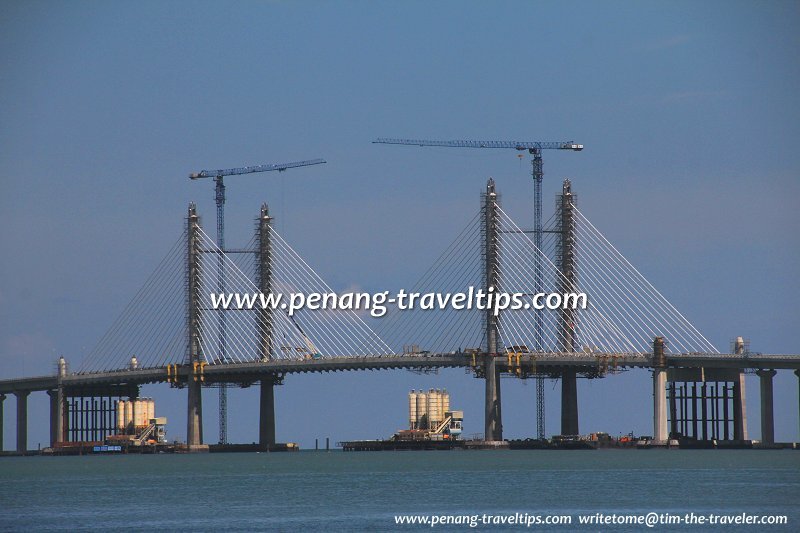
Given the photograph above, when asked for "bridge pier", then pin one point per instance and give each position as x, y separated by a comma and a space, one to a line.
266, 414
2, 401
660, 405
660, 434
58, 424
569, 402
797, 373
739, 409
672, 396
493, 429
767, 415
194, 416
720, 391
53, 394
22, 420
58, 407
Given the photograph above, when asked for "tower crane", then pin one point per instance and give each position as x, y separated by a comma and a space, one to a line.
535, 149
219, 176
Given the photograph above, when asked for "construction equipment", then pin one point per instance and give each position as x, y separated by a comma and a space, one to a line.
535, 149
311, 350
218, 176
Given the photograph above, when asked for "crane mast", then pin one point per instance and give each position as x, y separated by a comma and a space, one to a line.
535, 149
538, 176
219, 196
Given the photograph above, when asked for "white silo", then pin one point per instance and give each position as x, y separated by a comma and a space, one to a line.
439, 412
445, 402
120, 415
434, 414
141, 412
128, 414
412, 409
151, 410
422, 410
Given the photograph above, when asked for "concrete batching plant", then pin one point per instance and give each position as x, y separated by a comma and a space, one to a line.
429, 415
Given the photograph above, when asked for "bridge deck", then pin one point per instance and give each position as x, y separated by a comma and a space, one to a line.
528, 363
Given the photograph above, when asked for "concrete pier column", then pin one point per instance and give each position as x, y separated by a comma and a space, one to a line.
493, 429
659, 391
53, 410
2, 401
739, 409
704, 411
194, 416
673, 407
569, 403
266, 418
58, 407
22, 420
797, 373
499, 408
660, 405
767, 415
58, 416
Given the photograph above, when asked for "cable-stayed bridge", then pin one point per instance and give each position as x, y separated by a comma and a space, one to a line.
170, 331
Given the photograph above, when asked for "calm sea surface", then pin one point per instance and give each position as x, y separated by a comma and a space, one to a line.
337, 491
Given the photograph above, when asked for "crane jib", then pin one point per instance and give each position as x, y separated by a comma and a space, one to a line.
280, 167
515, 145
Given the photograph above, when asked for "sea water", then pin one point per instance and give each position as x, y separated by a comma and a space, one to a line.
367, 491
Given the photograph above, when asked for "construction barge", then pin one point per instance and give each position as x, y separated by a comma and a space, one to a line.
434, 426
558, 442
137, 430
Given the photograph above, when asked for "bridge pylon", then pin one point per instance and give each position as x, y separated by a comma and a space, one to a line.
565, 257
266, 419
493, 428
194, 418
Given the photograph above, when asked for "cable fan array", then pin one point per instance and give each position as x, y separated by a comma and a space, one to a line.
624, 311
152, 326
307, 334
442, 330
627, 298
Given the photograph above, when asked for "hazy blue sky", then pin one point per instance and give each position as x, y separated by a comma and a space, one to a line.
688, 110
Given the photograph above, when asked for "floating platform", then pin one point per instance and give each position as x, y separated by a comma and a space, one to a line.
250, 448
555, 444
399, 445
101, 448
